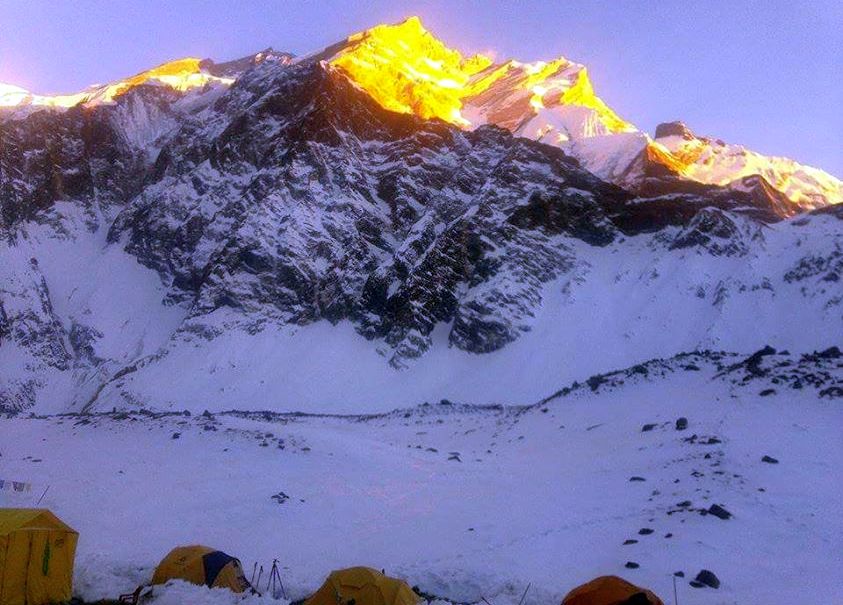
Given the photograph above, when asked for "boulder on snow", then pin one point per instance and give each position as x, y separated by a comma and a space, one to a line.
706, 578
648, 427
719, 512
681, 423
769, 460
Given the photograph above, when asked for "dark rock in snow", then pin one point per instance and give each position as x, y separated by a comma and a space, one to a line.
280, 497
719, 512
648, 427
679, 574
176, 435
645, 531
632, 565
769, 460
677, 128
707, 578
681, 423
630, 541
637, 479
767, 392
830, 353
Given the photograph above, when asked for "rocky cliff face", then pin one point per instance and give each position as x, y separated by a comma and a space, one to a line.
148, 230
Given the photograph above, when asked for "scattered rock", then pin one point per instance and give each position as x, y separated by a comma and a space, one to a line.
830, 353
636, 478
668, 535
767, 392
630, 541
648, 427
719, 511
280, 497
707, 578
645, 531
632, 565
769, 460
681, 423
679, 574
176, 435
684, 504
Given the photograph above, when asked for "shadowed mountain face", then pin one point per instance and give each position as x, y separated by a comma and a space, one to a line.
293, 196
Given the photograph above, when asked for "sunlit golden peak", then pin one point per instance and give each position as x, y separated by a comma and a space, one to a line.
181, 75
407, 69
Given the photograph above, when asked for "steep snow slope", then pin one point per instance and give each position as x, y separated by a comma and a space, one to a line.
73, 311
613, 307
468, 502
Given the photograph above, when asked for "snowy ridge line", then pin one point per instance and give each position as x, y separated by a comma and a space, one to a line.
821, 370
799, 374
442, 408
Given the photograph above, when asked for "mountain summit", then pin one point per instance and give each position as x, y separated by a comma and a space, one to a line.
405, 68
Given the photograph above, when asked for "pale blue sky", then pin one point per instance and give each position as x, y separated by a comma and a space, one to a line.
766, 74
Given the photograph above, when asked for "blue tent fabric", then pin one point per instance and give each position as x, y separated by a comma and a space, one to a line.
213, 563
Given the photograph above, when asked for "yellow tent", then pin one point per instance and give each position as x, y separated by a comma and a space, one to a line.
203, 566
610, 590
36, 557
363, 586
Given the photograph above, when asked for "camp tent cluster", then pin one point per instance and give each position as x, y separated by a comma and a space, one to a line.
36, 568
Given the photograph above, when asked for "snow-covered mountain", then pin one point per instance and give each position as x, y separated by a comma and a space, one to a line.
304, 234
405, 68
182, 75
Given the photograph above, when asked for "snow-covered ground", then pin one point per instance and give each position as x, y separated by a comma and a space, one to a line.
469, 502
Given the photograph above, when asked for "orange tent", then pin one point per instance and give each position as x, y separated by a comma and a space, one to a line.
610, 590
